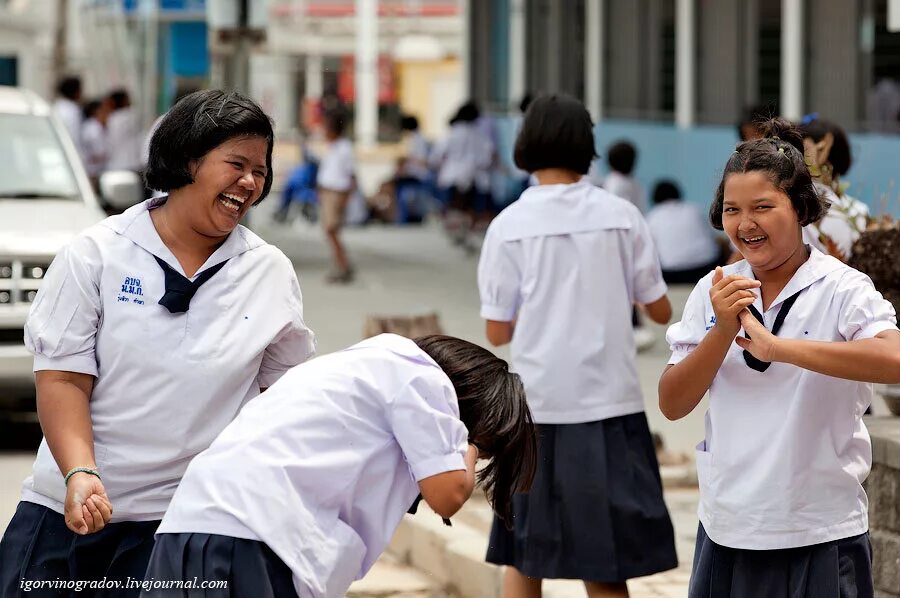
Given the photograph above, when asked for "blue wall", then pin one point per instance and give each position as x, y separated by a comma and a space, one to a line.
694, 158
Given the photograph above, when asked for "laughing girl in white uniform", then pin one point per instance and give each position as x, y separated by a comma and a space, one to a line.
788, 342
303, 491
150, 332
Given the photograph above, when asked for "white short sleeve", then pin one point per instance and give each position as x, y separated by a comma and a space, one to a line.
295, 343
425, 421
62, 325
648, 279
499, 279
684, 336
864, 312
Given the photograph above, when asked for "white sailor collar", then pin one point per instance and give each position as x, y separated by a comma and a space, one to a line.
399, 345
135, 224
817, 267
545, 210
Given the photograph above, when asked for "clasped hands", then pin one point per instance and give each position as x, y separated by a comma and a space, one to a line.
730, 297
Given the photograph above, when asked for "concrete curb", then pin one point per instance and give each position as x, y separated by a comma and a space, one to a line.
454, 556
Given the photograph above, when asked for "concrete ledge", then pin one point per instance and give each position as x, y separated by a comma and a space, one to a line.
452, 556
885, 433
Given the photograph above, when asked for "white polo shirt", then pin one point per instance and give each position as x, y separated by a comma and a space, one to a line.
323, 467
786, 450
462, 156
566, 262
337, 166
166, 384
683, 236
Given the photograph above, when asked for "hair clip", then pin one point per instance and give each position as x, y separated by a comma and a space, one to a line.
781, 150
809, 118
215, 124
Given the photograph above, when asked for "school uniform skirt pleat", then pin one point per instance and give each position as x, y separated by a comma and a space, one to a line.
248, 568
838, 569
595, 511
37, 546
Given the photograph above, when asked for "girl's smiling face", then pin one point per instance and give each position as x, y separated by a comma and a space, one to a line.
229, 180
760, 220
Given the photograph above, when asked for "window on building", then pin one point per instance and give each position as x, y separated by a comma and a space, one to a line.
9, 70
639, 59
489, 53
554, 47
880, 66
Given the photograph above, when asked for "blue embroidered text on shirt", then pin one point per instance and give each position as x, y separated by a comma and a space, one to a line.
132, 286
712, 322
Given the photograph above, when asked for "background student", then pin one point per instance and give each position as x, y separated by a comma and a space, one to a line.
559, 272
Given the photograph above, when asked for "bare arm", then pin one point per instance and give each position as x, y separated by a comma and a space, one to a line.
447, 492
868, 360
63, 402
660, 311
499, 333
63, 407
682, 386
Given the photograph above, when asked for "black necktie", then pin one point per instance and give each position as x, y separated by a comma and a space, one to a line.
758, 364
180, 290
415, 507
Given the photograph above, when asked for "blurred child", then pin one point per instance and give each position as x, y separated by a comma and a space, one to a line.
783, 512
560, 270
621, 157
687, 245
413, 175
460, 158
302, 492
336, 181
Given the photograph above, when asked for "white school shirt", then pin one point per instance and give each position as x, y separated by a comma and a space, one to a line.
71, 116
166, 384
566, 262
844, 220
324, 466
125, 140
337, 166
94, 146
462, 156
786, 450
682, 236
626, 187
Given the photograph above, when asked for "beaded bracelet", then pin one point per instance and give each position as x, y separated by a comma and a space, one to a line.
75, 470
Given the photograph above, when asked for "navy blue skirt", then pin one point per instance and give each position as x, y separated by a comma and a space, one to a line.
37, 546
247, 568
595, 511
838, 569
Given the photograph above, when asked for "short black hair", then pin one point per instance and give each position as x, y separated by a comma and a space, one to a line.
493, 407
666, 190
779, 155
840, 157
119, 98
90, 109
335, 122
621, 157
467, 113
556, 132
199, 123
69, 87
409, 123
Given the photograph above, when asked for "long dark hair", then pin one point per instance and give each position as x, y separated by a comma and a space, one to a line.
779, 155
493, 408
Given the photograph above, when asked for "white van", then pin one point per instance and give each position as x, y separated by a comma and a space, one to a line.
45, 200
